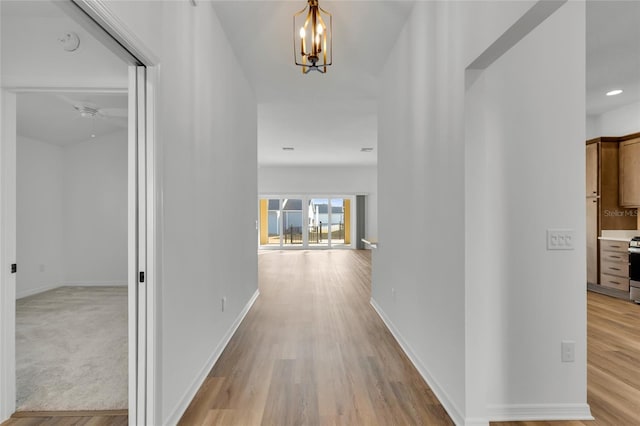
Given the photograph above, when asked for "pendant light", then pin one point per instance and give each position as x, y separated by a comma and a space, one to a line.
312, 41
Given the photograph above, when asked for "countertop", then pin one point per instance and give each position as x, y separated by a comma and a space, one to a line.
626, 240
624, 235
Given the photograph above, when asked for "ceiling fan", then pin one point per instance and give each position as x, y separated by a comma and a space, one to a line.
116, 116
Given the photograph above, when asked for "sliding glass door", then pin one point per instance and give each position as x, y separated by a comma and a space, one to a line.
270, 222
292, 222
305, 222
339, 225
318, 222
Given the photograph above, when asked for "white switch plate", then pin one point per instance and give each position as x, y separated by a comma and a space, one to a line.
560, 239
568, 351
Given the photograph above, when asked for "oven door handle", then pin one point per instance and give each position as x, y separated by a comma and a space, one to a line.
634, 250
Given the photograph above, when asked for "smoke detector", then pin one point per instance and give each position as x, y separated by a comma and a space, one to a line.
69, 41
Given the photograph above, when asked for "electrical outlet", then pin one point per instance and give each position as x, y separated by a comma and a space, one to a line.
560, 239
224, 303
568, 351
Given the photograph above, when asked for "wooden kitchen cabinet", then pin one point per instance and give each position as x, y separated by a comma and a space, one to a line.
592, 240
614, 264
611, 215
630, 172
592, 170
603, 209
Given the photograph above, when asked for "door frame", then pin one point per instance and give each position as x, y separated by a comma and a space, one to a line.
7, 253
95, 17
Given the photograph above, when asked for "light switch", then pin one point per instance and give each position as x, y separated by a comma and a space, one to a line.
560, 239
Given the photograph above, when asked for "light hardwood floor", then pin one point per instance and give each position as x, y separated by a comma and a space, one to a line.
69, 418
312, 351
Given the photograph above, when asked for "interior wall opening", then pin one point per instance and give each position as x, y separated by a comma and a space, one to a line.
71, 307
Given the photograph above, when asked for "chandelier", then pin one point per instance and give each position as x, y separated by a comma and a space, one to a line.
312, 46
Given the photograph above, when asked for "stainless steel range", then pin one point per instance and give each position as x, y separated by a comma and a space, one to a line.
634, 269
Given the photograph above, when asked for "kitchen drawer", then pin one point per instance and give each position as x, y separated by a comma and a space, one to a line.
610, 245
618, 283
615, 268
614, 256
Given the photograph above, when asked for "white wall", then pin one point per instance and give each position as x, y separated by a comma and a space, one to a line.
618, 122
207, 190
420, 285
361, 180
92, 65
593, 126
525, 174
94, 182
39, 216
418, 282
72, 213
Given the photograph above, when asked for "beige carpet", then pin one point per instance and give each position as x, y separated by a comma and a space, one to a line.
71, 349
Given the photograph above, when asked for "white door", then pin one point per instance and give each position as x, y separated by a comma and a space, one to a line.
7, 253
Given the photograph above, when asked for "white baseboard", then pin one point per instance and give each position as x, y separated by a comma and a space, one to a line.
94, 283
451, 408
533, 412
31, 292
188, 396
476, 422
495, 413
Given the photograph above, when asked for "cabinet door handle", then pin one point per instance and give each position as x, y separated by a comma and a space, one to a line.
616, 257
615, 269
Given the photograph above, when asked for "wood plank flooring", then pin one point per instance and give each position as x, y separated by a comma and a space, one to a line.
69, 418
312, 351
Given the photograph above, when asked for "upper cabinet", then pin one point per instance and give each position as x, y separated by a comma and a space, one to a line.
603, 183
592, 170
630, 172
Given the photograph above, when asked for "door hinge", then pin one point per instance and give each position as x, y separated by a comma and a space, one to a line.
141, 277
14, 268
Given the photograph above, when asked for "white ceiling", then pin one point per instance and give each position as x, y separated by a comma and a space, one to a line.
51, 117
326, 118
613, 54
261, 34
353, 125
44, 74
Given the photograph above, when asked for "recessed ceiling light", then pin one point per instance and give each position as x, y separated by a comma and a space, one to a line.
614, 92
288, 148
366, 149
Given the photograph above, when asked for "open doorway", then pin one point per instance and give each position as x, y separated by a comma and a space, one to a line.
71, 235
96, 187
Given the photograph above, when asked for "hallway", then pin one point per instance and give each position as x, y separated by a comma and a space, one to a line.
313, 351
